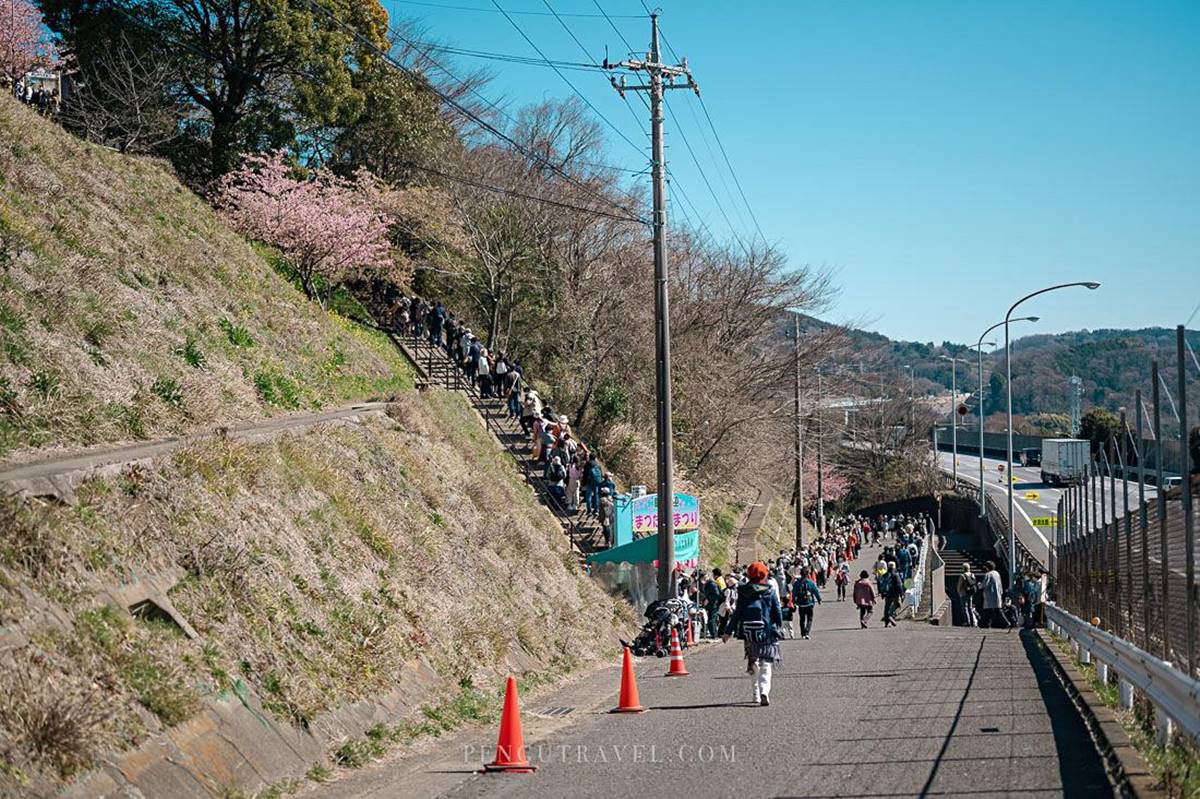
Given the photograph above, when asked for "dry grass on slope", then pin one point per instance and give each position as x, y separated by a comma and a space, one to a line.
128, 310
318, 565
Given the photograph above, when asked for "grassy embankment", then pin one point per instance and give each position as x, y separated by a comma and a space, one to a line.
129, 311
317, 565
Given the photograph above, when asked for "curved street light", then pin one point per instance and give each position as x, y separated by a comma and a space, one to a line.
1091, 285
979, 347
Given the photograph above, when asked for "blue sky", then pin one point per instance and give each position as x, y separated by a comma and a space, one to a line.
945, 157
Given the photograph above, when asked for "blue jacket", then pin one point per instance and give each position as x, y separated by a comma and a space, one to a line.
814, 596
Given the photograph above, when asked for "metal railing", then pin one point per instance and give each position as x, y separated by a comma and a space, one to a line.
997, 527
427, 354
1175, 695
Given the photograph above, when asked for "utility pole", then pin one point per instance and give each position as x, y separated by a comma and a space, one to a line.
1076, 404
820, 466
657, 72
800, 543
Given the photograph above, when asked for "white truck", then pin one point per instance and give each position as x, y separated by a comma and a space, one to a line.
1064, 460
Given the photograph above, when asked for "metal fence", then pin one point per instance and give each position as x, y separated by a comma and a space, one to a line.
1134, 571
1128, 561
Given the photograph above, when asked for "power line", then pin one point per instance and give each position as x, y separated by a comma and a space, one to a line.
586, 52
516, 59
513, 193
720, 172
720, 145
453, 7
707, 183
423, 47
567, 80
484, 124
732, 172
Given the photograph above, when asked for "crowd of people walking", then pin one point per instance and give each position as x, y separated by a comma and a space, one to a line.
771, 600
46, 101
571, 472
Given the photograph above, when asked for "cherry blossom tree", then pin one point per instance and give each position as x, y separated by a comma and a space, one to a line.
24, 41
325, 226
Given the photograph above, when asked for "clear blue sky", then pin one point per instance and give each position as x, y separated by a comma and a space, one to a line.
944, 156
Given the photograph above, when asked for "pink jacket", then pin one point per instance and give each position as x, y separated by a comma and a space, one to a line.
864, 594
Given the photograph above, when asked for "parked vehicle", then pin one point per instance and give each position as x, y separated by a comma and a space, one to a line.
1064, 460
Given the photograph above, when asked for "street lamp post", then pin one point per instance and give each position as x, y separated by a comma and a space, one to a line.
1012, 537
953, 417
979, 346
800, 543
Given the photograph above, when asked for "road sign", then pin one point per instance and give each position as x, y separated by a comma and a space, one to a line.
1032, 496
1045, 521
999, 467
962, 410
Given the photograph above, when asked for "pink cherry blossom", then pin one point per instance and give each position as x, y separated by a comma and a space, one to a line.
323, 225
24, 41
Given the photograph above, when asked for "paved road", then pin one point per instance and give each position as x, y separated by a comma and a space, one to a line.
1029, 480
913, 711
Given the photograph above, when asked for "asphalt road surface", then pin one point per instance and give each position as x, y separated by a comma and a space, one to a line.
912, 711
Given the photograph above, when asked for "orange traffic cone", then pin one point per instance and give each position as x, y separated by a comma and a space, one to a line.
510, 748
628, 701
677, 668
690, 640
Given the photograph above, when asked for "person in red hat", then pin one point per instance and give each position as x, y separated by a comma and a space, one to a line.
756, 621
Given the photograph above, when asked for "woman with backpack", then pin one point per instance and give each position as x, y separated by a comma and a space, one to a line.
806, 597
967, 587
756, 621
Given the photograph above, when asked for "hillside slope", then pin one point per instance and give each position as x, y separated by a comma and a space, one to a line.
306, 574
128, 310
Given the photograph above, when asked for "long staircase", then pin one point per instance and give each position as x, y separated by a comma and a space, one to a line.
435, 367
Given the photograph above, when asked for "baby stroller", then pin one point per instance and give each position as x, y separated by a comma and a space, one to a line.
661, 617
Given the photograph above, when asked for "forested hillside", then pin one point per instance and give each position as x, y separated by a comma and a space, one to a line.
1112, 363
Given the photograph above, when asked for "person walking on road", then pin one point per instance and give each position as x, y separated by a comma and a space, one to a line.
993, 597
756, 621
864, 597
806, 597
891, 586
966, 588
841, 578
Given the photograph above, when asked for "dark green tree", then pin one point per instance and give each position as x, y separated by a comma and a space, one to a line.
248, 75
1097, 425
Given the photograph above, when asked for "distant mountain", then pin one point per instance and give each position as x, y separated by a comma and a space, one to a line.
1112, 363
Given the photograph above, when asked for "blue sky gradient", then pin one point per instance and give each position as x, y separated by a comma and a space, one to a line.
945, 157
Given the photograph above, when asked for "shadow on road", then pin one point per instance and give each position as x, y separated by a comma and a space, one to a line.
1079, 764
705, 707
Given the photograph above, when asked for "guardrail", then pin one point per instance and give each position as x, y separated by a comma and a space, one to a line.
912, 597
1175, 695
